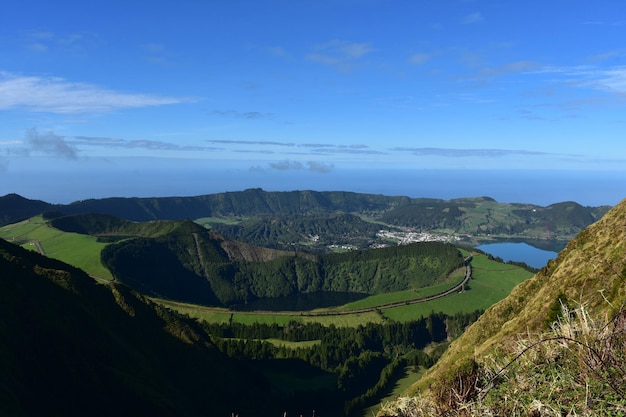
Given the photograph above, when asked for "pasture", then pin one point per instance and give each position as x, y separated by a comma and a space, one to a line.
491, 281
81, 251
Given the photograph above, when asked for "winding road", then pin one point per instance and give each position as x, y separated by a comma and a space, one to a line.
458, 287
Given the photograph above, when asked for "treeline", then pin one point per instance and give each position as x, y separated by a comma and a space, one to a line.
365, 359
427, 216
191, 264
313, 233
105, 226
514, 263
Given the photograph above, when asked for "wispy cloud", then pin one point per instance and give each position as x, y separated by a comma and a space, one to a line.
506, 69
312, 166
345, 149
47, 41
419, 58
469, 152
250, 115
136, 144
308, 148
605, 23
50, 144
472, 18
251, 142
57, 95
278, 51
340, 54
608, 79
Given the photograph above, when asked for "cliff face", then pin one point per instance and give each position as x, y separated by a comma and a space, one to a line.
590, 272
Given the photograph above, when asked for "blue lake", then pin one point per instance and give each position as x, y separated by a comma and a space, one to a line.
519, 252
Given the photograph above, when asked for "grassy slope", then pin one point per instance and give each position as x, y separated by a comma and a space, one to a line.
82, 251
591, 270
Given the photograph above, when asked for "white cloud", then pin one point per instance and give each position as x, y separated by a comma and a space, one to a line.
57, 95
610, 79
473, 18
340, 54
311, 166
419, 59
613, 80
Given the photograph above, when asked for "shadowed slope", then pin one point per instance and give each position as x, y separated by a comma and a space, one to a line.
71, 347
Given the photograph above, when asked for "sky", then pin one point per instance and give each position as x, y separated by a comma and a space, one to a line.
122, 98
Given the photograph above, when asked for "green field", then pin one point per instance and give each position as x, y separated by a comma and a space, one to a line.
409, 376
491, 282
81, 251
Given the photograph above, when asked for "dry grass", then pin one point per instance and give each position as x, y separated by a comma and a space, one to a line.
577, 368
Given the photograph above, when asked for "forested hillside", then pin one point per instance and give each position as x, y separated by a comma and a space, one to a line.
316, 221
190, 263
313, 232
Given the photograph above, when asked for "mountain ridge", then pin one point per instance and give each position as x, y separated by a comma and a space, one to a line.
309, 219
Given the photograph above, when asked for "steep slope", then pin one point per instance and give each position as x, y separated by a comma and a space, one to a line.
590, 271
71, 347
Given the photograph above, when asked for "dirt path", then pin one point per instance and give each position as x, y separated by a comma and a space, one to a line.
38, 246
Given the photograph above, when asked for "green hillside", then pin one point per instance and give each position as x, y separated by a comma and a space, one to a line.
192, 264
80, 250
575, 367
322, 221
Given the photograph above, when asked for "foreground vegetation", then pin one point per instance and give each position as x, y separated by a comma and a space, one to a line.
519, 358
577, 367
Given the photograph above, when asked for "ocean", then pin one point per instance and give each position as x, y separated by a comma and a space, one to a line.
71, 182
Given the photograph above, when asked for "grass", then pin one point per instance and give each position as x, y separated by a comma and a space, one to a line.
223, 315
207, 221
293, 376
293, 345
574, 368
408, 378
81, 251
492, 281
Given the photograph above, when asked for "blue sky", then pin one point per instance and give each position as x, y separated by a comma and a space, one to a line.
307, 89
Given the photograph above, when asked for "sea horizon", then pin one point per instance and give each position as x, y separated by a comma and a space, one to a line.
64, 185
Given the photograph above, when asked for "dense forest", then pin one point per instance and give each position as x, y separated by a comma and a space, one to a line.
189, 263
312, 233
361, 362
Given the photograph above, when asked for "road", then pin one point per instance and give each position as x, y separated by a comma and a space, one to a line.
456, 288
